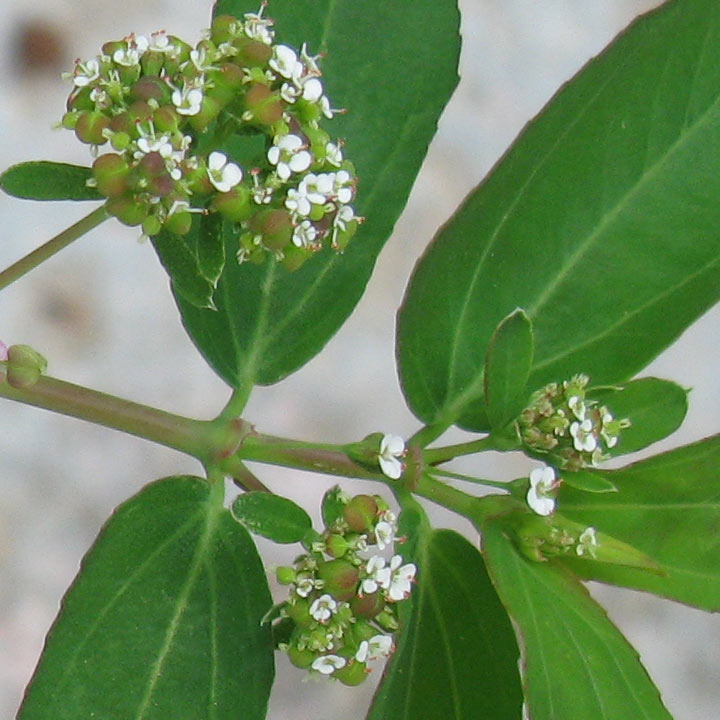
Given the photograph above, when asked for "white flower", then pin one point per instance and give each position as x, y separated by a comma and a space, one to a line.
318, 189
289, 155
392, 448
148, 144
312, 90
289, 92
327, 664
128, 57
384, 534
310, 61
187, 101
333, 154
258, 28
160, 42
401, 579
304, 585
285, 62
223, 175
342, 186
86, 73
377, 646
304, 234
200, 60
378, 575
542, 482
576, 404
587, 542
583, 437
322, 608
297, 203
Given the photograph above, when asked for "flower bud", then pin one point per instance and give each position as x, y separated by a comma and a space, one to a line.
152, 62
235, 205
368, 606
224, 29
140, 112
295, 257
166, 119
300, 658
387, 620
354, 673
111, 174
299, 612
265, 106
24, 366
340, 578
127, 210
252, 53
150, 88
275, 226
89, 128
209, 110
179, 222
285, 575
336, 545
360, 513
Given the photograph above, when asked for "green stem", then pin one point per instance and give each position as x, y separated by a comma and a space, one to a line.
52, 246
468, 478
193, 437
434, 456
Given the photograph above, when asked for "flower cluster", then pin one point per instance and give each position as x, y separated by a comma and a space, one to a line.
343, 604
540, 539
169, 114
573, 430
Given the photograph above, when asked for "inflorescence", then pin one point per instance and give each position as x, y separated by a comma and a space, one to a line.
570, 428
342, 605
170, 112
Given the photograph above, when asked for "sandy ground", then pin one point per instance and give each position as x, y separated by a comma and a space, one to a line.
103, 314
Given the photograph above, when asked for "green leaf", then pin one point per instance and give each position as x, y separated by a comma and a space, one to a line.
269, 322
601, 221
163, 620
669, 508
272, 516
456, 648
182, 264
656, 408
594, 481
44, 180
333, 504
507, 367
576, 664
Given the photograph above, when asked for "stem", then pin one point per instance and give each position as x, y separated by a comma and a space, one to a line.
434, 456
447, 496
52, 246
468, 478
193, 437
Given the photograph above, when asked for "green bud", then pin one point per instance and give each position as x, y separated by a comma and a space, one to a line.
340, 578
354, 673
209, 110
151, 225
89, 128
235, 204
179, 223
368, 606
152, 62
387, 620
80, 100
69, 119
24, 366
265, 106
166, 119
127, 210
111, 174
306, 112
285, 575
224, 29
336, 545
150, 88
300, 658
140, 111
299, 612
360, 513
275, 226
252, 53
120, 141
123, 123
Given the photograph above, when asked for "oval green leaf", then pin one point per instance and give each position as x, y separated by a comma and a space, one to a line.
457, 647
269, 322
669, 508
44, 180
272, 516
163, 620
601, 222
507, 367
655, 408
594, 481
576, 663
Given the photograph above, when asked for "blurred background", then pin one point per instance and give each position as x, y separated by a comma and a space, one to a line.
102, 313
